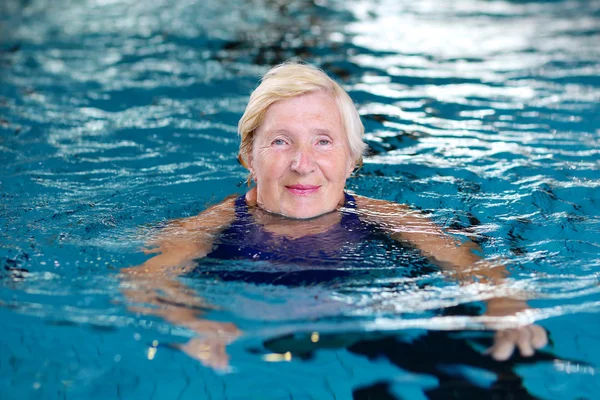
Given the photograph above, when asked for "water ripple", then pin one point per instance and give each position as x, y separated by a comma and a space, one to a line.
116, 116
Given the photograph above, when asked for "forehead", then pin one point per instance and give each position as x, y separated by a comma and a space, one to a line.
316, 109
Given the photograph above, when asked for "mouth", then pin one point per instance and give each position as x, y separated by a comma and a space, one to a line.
302, 190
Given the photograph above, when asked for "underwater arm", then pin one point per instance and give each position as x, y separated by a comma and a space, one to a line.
417, 230
154, 286
464, 260
185, 240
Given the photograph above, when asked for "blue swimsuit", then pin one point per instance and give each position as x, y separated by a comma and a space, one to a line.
245, 239
319, 258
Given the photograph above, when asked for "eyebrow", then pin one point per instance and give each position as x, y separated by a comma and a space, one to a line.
319, 131
279, 131
322, 131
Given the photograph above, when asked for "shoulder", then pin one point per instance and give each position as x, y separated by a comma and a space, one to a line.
250, 197
216, 215
388, 214
368, 204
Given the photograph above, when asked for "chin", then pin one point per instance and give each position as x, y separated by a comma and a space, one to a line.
305, 213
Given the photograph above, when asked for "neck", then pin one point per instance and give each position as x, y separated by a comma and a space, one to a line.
290, 227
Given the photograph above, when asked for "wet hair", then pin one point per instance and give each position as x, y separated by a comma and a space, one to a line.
289, 80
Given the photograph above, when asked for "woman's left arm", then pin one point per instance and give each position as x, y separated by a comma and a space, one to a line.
463, 260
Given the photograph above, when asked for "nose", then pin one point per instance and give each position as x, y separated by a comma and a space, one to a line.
303, 161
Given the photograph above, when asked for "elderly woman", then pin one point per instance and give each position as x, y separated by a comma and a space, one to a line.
301, 138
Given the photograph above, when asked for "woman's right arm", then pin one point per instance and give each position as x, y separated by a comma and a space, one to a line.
185, 240
152, 288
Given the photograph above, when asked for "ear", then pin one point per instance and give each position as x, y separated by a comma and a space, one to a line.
251, 167
350, 168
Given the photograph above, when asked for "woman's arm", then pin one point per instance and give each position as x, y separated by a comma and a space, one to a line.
185, 240
153, 287
416, 229
463, 259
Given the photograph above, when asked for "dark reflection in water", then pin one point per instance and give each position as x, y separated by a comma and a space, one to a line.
448, 357
454, 359
301, 30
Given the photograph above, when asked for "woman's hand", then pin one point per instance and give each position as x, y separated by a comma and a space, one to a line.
527, 338
210, 349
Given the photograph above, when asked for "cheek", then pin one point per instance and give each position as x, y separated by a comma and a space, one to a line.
338, 168
268, 165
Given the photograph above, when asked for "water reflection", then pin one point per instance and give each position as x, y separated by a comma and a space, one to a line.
374, 279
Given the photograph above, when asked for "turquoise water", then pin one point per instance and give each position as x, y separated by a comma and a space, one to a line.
117, 116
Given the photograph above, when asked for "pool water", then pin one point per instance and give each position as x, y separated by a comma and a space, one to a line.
116, 116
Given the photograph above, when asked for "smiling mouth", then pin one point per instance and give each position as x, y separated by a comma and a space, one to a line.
302, 190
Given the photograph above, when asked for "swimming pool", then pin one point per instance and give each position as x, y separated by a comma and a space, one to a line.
117, 116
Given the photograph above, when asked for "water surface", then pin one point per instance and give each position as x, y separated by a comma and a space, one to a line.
117, 116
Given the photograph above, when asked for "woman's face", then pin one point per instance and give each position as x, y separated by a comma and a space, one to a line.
300, 157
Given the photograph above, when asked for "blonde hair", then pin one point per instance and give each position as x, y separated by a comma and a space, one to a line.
292, 79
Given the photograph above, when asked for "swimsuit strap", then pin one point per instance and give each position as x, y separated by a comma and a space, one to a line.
349, 201
241, 208
350, 218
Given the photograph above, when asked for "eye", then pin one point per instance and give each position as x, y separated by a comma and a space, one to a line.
324, 142
278, 142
